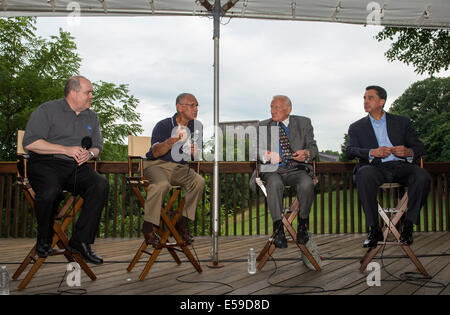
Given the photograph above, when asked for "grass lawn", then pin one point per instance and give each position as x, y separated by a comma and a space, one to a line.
328, 214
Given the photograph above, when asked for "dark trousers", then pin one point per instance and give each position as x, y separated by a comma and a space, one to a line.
275, 182
49, 176
370, 177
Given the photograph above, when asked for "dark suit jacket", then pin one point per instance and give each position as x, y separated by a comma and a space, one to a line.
301, 137
362, 138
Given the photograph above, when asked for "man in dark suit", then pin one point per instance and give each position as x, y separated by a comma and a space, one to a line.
286, 148
386, 145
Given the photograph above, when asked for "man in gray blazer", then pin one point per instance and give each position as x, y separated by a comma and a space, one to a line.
386, 145
286, 148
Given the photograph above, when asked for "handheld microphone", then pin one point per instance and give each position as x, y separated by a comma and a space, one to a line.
86, 142
196, 136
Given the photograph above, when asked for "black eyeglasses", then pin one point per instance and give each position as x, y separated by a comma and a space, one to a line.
191, 105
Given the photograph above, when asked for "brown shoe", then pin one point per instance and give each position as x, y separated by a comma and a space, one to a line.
150, 236
182, 227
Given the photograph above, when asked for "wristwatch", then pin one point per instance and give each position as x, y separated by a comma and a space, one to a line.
92, 154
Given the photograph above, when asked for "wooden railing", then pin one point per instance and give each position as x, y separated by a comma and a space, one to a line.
336, 208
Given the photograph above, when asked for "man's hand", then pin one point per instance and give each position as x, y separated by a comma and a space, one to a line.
273, 157
402, 151
79, 154
172, 140
301, 155
380, 152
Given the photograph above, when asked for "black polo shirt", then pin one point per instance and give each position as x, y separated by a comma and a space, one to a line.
57, 123
167, 128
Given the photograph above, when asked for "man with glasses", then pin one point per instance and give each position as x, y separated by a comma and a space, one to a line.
175, 140
62, 135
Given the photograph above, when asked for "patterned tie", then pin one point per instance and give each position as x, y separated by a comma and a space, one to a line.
285, 148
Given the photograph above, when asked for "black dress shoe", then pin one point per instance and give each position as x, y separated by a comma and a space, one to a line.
279, 239
406, 236
302, 232
43, 248
85, 251
375, 236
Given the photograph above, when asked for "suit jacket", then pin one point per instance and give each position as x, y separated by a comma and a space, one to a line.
362, 138
301, 137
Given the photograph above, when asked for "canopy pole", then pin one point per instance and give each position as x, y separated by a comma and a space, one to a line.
217, 12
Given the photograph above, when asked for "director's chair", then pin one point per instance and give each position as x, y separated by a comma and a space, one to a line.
287, 219
391, 218
137, 148
64, 217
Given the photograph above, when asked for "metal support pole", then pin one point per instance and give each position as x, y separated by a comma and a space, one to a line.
217, 12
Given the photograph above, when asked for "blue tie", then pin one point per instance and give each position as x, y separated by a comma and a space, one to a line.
285, 148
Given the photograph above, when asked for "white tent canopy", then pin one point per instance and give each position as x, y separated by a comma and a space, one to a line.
413, 13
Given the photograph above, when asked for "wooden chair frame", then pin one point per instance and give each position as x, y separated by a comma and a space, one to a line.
137, 147
287, 220
64, 217
391, 217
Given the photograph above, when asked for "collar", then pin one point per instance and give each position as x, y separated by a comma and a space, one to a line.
285, 122
190, 124
382, 120
67, 108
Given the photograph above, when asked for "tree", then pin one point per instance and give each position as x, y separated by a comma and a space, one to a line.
426, 103
428, 50
34, 70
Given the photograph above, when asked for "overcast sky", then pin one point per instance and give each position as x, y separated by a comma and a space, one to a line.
323, 67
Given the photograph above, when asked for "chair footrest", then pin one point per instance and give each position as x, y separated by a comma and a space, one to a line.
390, 243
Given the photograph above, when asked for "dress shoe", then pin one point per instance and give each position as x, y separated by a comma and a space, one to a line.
279, 239
85, 251
375, 236
152, 239
43, 248
406, 236
149, 235
302, 232
182, 227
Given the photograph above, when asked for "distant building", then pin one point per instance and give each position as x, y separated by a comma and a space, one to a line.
328, 157
324, 157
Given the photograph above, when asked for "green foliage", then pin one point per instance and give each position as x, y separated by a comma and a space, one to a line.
34, 70
428, 50
343, 155
116, 111
426, 103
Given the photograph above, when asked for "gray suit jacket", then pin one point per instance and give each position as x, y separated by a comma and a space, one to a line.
301, 137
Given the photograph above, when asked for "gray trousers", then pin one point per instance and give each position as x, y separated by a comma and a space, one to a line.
162, 176
298, 179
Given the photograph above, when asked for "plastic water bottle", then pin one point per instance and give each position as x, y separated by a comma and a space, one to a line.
4, 281
251, 261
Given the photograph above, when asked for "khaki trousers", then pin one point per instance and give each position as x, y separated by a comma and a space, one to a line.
162, 176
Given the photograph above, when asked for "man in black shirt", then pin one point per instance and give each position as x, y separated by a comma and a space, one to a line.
54, 135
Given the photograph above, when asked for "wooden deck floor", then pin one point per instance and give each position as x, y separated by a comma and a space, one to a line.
286, 274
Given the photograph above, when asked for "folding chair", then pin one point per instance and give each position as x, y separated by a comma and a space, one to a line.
65, 215
391, 217
137, 148
288, 217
